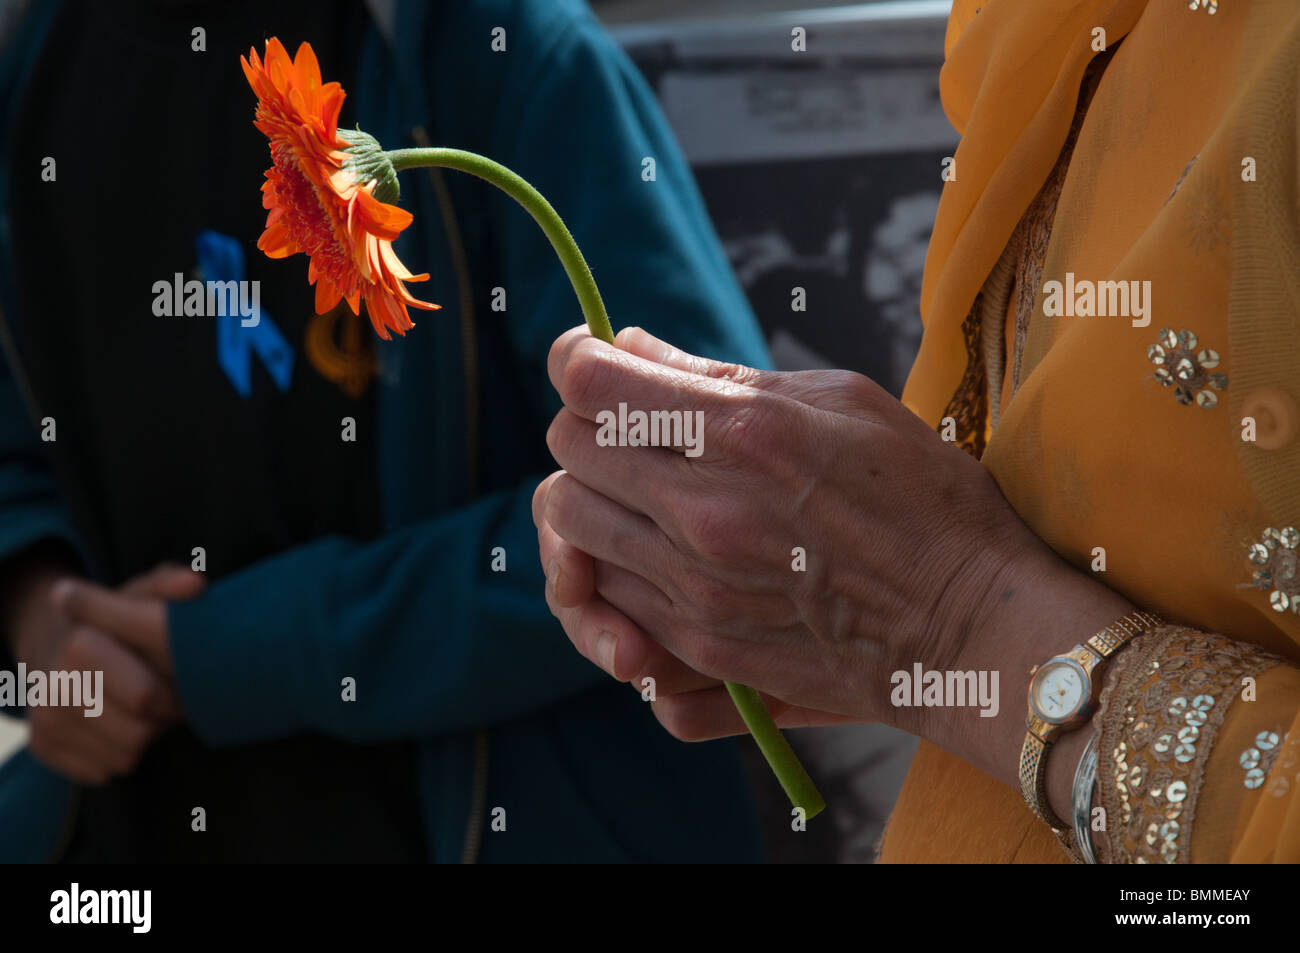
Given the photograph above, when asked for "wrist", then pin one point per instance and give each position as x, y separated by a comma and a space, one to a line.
1036, 608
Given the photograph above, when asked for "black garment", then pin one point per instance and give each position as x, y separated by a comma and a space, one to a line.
154, 143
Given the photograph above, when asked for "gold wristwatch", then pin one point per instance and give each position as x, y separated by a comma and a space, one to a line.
1062, 696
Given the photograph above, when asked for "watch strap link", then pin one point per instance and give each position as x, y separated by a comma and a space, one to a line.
1112, 638
1033, 781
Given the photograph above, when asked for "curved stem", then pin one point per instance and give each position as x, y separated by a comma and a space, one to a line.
575, 266
780, 756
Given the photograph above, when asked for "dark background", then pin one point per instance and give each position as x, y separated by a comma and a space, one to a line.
821, 170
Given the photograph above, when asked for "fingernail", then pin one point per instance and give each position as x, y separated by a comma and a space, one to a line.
606, 649
553, 578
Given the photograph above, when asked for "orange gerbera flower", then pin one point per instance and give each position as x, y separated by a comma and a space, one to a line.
319, 203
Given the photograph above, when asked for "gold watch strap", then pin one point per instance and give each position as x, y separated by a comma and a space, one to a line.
1040, 735
1116, 635
1033, 781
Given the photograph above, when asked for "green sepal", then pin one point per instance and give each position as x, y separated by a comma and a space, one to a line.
368, 161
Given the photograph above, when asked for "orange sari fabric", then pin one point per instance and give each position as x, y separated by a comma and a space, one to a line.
1183, 175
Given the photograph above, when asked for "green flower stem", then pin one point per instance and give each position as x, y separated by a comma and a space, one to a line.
575, 266
784, 762
799, 788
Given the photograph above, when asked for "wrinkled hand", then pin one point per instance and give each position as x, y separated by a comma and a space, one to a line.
686, 569
68, 624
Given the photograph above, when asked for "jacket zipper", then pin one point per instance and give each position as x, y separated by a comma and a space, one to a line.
469, 354
478, 802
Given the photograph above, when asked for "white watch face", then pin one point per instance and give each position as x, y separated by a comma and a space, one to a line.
1059, 690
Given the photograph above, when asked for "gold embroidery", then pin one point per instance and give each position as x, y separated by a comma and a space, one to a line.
1179, 364
1036, 225
1257, 761
1161, 708
969, 406
1283, 763
1276, 555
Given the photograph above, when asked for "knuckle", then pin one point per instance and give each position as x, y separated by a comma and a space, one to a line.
585, 376
717, 530
69, 594
707, 654
738, 373
735, 431
562, 435
709, 599
855, 387
564, 501
749, 421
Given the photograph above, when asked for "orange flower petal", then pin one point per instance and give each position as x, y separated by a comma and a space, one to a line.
314, 205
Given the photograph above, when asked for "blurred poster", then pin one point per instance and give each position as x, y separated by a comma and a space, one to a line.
821, 167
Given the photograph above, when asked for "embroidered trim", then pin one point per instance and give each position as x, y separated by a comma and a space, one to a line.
1036, 227
1162, 705
992, 318
969, 405
1258, 758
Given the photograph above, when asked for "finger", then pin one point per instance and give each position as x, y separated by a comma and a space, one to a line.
561, 347
84, 748
129, 682
710, 713
539, 497
570, 573
139, 623
628, 475
603, 636
648, 609
113, 741
641, 601
660, 405
121, 738
806, 387
167, 581
643, 344
605, 530
76, 764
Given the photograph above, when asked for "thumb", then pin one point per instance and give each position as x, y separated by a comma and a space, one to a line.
167, 581
645, 345
822, 389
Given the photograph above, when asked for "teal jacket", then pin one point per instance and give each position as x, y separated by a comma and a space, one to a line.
444, 650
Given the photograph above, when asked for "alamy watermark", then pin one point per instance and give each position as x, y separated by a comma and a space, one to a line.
129, 907
208, 299
57, 689
1082, 298
655, 428
934, 689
